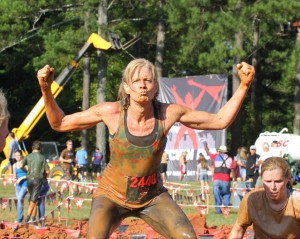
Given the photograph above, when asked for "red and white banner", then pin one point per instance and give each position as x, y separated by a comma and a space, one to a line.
204, 93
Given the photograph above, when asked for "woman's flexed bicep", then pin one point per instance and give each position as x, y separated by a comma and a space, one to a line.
191, 118
87, 118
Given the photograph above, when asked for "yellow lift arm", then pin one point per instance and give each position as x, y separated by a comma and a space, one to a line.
23, 131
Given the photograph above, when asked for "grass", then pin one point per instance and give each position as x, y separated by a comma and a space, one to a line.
59, 212
212, 219
82, 214
8, 215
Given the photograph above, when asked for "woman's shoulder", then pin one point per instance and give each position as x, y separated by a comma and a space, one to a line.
296, 195
255, 194
108, 107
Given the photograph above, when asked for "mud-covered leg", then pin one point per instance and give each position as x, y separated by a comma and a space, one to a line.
168, 219
104, 218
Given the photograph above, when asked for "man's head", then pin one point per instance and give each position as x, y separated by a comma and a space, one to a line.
275, 144
69, 144
222, 149
4, 117
132, 69
36, 145
276, 177
252, 149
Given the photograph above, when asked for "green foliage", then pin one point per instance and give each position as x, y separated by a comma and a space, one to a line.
200, 39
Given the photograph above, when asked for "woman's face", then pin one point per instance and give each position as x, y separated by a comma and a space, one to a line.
275, 183
18, 156
142, 87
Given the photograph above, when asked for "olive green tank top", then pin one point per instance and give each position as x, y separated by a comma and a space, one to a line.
132, 178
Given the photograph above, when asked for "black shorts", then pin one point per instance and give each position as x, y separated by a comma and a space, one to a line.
81, 168
163, 167
96, 168
34, 186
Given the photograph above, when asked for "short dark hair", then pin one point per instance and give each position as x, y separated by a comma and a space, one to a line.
36, 145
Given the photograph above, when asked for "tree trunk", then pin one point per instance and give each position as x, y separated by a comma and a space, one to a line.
160, 44
254, 60
86, 83
255, 125
296, 127
102, 77
236, 127
86, 93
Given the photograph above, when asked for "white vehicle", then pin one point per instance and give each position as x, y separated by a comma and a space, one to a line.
287, 143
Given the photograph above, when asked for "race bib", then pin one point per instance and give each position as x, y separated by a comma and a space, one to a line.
140, 189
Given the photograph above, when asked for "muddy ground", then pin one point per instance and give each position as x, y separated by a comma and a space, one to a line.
130, 228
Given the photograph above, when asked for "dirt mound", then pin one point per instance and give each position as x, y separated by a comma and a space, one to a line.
78, 229
49, 231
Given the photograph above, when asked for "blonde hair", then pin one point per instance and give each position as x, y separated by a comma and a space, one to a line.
4, 114
277, 163
202, 161
127, 75
243, 153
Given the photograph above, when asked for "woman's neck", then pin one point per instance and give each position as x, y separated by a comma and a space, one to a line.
279, 205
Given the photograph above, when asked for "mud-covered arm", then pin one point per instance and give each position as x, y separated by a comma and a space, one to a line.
225, 116
58, 120
237, 232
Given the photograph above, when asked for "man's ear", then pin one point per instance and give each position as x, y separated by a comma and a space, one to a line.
126, 88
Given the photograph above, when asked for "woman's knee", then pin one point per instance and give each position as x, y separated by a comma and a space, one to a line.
184, 232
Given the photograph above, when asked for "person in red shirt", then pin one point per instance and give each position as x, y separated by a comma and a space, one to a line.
223, 168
